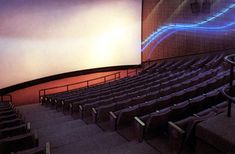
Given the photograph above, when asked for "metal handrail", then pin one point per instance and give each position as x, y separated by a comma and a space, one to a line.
223, 91
117, 75
135, 71
43, 92
5, 96
231, 60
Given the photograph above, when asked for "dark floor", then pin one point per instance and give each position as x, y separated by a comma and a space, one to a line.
73, 136
218, 131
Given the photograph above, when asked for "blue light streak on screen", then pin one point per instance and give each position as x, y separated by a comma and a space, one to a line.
166, 31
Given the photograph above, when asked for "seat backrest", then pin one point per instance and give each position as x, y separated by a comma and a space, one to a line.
180, 110
127, 114
197, 103
205, 112
158, 119
163, 102
183, 124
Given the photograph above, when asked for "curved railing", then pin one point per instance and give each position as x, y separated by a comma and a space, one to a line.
88, 83
230, 59
81, 84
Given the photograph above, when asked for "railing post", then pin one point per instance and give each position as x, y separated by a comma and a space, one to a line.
11, 99
230, 89
39, 96
67, 88
230, 59
116, 75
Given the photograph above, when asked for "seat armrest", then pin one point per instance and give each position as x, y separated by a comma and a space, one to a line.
81, 111
48, 148
113, 115
71, 108
63, 106
196, 115
28, 126
180, 130
113, 120
94, 115
140, 121
176, 137
140, 129
36, 140
94, 110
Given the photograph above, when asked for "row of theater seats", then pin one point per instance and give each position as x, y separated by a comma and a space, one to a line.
180, 92
115, 89
170, 96
73, 99
93, 92
182, 132
157, 122
170, 90
15, 134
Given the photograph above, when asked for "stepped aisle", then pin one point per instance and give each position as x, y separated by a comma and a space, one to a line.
73, 136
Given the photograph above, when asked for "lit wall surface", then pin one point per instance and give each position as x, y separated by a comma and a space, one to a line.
171, 28
48, 37
223, 21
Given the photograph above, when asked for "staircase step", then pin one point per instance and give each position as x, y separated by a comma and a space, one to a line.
74, 136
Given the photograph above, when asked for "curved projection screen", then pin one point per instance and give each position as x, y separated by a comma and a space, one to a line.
49, 37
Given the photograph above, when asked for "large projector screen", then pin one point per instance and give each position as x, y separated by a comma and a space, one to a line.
40, 38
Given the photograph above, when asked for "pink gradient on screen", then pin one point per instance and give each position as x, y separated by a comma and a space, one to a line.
49, 37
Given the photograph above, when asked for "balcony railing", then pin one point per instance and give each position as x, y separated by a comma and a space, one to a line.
230, 59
